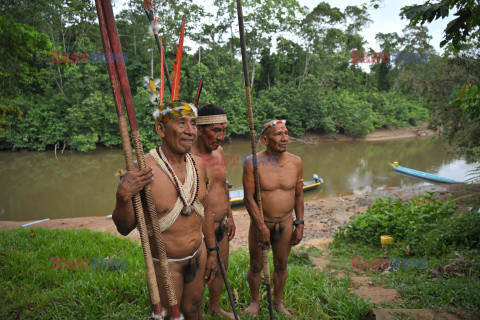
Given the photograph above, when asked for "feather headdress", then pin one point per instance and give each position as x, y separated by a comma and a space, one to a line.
174, 108
178, 65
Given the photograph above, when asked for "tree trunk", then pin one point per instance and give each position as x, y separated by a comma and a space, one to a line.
253, 73
200, 51
305, 72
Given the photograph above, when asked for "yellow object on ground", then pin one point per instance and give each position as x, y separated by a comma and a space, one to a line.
386, 240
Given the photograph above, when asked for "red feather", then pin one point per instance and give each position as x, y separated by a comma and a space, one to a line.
199, 91
146, 5
178, 65
162, 92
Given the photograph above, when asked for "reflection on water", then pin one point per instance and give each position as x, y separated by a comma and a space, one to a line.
35, 185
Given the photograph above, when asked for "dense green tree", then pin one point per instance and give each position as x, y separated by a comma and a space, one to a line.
306, 79
464, 28
457, 120
22, 54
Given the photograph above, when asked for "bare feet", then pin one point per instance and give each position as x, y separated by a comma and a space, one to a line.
281, 309
216, 310
253, 308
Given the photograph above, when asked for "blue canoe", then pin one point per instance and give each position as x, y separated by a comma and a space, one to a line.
236, 196
422, 175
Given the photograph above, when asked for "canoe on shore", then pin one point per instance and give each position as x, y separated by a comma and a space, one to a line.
422, 175
236, 196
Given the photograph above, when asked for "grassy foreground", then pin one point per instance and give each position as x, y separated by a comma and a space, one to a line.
438, 232
31, 287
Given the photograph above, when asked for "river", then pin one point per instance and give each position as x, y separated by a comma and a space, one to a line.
35, 185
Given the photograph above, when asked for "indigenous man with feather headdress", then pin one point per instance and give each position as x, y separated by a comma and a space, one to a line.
179, 191
212, 126
281, 183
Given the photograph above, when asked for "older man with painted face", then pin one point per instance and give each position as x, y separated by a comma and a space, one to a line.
212, 126
179, 191
281, 181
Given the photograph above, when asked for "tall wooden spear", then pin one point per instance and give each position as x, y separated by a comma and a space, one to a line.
127, 96
127, 151
266, 266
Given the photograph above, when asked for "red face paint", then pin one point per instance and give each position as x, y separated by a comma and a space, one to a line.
210, 137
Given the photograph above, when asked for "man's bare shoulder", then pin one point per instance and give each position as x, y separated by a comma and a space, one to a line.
218, 153
148, 157
248, 159
220, 150
202, 170
296, 159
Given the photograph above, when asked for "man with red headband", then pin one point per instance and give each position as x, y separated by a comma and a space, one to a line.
281, 182
212, 126
179, 191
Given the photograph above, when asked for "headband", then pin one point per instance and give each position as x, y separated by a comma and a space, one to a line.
216, 118
272, 123
172, 110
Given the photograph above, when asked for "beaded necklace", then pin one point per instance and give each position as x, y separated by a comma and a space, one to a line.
187, 204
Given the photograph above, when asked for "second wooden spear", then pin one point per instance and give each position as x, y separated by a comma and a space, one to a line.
266, 266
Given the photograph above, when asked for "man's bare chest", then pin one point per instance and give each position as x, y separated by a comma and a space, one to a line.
280, 176
166, 192
217, 174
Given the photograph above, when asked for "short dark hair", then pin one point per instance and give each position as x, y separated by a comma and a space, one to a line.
210, 110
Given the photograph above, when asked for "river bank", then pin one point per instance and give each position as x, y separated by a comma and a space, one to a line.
323, 216
382, 134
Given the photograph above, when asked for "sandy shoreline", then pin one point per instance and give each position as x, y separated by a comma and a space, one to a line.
323, 216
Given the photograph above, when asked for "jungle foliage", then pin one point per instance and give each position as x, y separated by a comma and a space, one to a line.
307, 79
427, 226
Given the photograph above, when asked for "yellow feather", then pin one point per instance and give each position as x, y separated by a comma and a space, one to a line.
151, 84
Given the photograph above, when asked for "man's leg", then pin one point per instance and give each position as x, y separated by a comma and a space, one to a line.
215, 287
191, 300
254, 276
281, 250
177, 279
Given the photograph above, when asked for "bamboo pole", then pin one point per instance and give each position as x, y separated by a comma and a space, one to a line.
127, 96
127, 152
266, 266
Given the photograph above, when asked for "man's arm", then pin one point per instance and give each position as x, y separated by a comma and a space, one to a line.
209, 236
132, 183
248, 197
230, 222
299, 205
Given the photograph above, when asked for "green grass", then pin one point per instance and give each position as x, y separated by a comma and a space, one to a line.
436, 234
31, 289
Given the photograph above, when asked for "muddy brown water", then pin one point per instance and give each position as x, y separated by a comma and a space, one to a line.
35, 185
